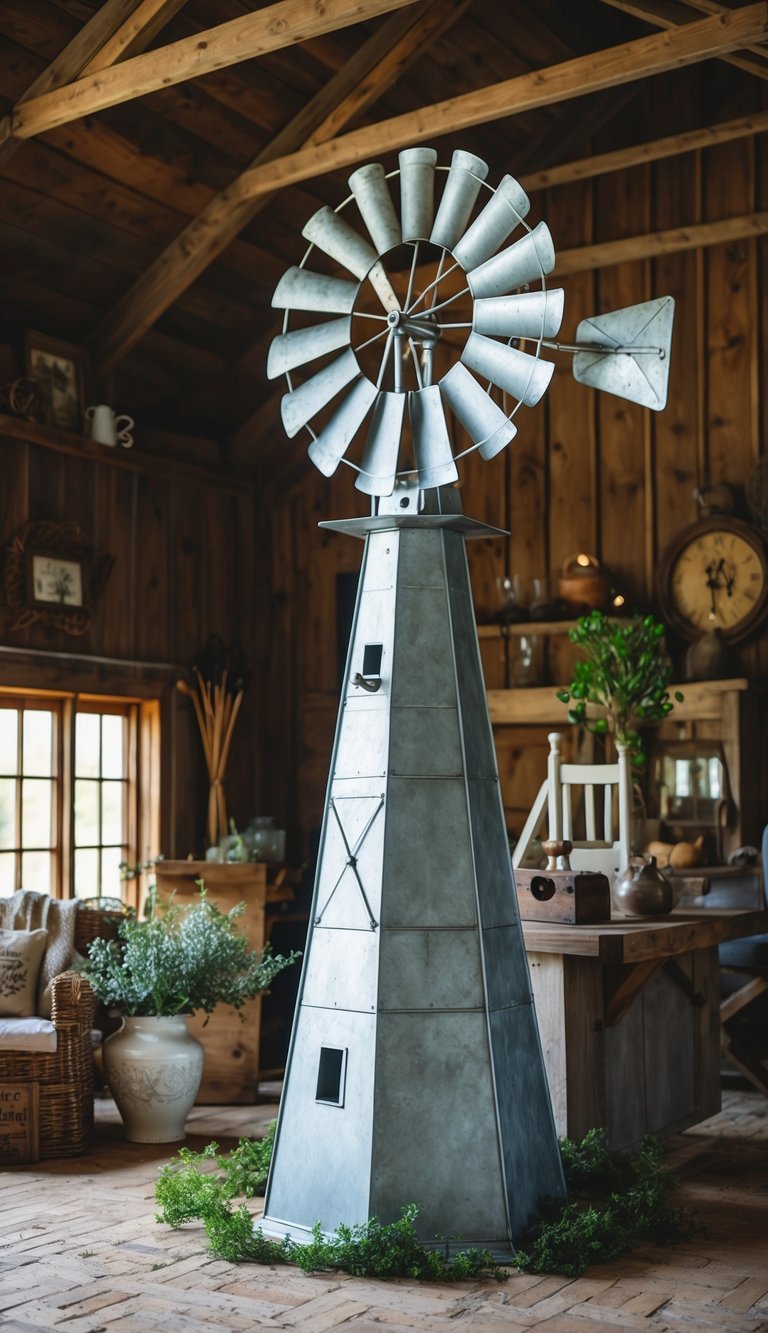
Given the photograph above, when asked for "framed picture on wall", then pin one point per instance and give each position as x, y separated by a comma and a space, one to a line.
55, 580
59, 368
54, 576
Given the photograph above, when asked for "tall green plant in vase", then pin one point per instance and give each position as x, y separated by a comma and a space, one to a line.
179, 961
625, 672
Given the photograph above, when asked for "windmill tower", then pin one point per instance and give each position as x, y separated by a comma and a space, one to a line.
415, 1072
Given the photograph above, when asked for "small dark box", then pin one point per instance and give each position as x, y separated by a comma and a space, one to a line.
571, 897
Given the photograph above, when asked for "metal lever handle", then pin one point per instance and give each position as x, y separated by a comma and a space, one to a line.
370, 683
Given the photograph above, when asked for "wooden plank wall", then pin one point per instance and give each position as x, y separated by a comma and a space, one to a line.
184, 549
586, 471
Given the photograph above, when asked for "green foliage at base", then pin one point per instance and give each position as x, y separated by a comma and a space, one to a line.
186, 1190
618, 1201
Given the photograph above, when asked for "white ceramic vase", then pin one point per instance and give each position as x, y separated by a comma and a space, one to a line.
153, 1067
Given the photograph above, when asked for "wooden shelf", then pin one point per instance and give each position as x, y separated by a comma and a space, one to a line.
67, 442
501, 631
702, 700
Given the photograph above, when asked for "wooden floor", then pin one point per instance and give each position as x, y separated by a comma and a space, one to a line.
80, 1250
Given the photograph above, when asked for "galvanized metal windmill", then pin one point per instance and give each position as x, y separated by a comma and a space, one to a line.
415, 1072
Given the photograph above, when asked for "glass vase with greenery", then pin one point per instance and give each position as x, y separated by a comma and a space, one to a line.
625, 672
180, 960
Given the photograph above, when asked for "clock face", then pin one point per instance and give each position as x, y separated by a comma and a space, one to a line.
717, 580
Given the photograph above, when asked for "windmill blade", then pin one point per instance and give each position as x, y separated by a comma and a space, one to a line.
505, 209
431, 442
525, 377
301, 289
482, 419
302, 404
417, 192
379, 465
635, 361
369, 186
290, 350
519, 264
525, 315
461, 189
331, 234
332, 443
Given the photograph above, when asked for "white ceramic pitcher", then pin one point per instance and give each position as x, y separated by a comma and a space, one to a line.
106, 428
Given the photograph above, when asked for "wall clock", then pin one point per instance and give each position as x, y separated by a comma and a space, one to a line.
713, 575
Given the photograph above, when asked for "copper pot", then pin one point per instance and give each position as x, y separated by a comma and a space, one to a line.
583, 584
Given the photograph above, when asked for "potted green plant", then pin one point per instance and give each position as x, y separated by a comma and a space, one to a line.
625, 672
156, 973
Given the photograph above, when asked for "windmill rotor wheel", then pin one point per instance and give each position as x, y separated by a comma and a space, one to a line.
438, 312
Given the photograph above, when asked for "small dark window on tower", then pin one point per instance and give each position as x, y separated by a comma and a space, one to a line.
331, 1075
372, 659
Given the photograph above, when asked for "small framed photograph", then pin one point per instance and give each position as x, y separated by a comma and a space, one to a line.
56, 580
59, 368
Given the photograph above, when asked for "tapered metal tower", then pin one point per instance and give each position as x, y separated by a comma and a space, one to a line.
415, 1073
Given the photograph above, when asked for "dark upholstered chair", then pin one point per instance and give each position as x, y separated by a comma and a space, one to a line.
744, 964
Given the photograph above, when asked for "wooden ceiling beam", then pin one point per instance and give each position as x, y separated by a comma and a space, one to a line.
662, 14
134, 35
361, 81
91, 38
287, 23
630, 249
671, 146
681, 46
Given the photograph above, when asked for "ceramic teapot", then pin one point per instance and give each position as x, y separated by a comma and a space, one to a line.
642, 889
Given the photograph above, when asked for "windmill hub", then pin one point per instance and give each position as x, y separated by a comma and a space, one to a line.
423, 330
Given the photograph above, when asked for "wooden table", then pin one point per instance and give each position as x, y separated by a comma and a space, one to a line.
629, 1019
231, 1044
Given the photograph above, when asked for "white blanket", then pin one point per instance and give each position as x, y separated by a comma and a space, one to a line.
27, 910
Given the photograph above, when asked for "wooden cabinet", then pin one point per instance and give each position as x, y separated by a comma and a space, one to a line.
230, 1042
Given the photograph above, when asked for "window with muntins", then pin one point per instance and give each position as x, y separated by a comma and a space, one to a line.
70, 799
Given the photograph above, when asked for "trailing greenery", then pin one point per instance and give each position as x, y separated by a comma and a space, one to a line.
620, 1200
372, 1249
626, 671
185, 1181
180, 960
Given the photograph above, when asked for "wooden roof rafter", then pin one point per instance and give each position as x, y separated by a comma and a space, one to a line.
646, 56
181, 263
376, 66
287, 23
669, 14
118, 29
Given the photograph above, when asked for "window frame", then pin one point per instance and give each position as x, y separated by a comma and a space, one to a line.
142, 781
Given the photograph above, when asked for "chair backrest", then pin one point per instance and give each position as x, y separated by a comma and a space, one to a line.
604, 795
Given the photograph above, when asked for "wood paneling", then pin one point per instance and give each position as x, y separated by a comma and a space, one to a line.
184, 564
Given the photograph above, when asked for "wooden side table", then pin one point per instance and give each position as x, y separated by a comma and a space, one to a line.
231, 1044
629, 1019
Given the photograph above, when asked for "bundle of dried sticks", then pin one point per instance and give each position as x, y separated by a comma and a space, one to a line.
216, 710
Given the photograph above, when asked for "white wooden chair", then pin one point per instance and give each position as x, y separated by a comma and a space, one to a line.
607, 850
